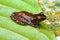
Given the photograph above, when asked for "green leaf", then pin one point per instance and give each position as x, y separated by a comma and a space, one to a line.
44, 25
9, 35
27, 31
21, 5
50, 34
6, 11
9, 30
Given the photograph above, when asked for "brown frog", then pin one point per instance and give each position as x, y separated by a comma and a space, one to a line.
24, 17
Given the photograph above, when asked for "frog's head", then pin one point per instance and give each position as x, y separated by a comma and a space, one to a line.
41, 16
